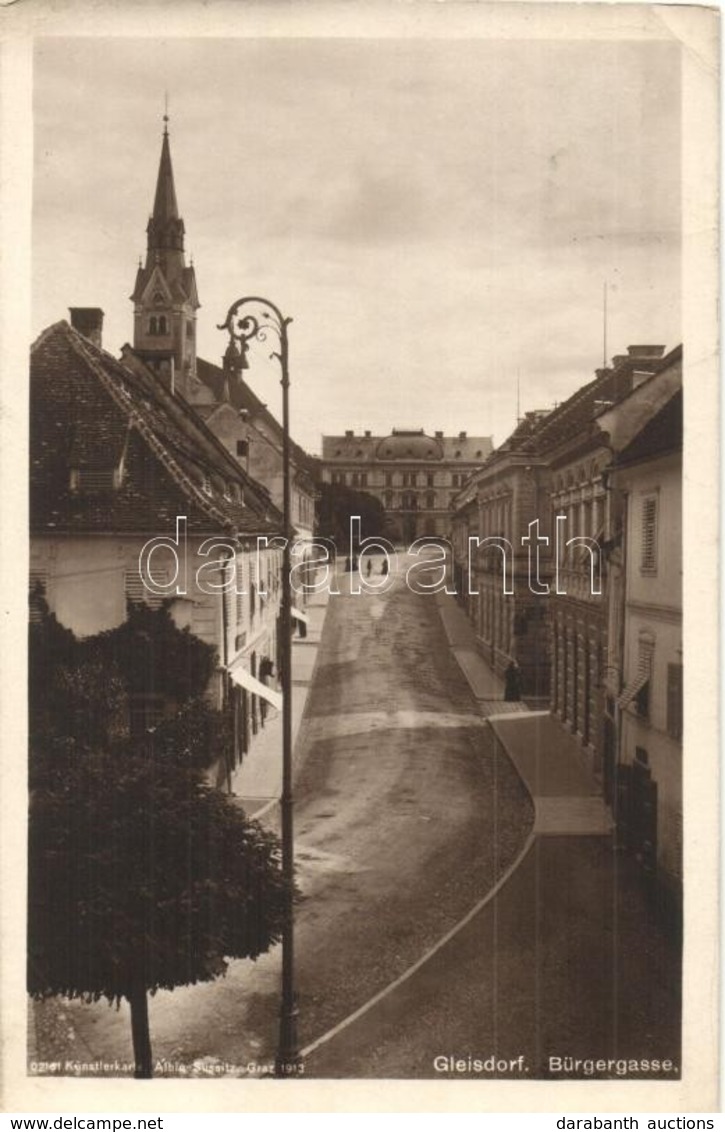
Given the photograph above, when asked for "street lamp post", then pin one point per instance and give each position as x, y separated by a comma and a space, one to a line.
251, 319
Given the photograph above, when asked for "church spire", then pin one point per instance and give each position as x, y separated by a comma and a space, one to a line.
165, 297
165, 228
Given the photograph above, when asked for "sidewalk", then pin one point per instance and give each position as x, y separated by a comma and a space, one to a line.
258, 780
546, 755
567, 956
486, 685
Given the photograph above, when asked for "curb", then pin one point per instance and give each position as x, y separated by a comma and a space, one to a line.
450, 934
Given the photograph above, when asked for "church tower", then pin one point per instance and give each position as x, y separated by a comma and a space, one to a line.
165, 297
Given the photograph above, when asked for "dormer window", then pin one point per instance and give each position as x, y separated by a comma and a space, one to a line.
162, 324
153, 325
158, 298
93, 481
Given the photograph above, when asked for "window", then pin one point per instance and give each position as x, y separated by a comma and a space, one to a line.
240, 594
644, 669
674, 700
162, 324
138, 592
388, 479
243, 448
430, 479
648, 561
153, 325
363, 479
91, 480
430, 500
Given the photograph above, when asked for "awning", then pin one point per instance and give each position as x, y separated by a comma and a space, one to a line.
635, 685
299, 616
245, 679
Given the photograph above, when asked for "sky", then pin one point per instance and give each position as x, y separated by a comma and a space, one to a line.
438, 217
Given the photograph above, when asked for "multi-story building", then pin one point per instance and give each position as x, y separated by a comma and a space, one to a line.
554, 623
120, 462
415, 476
165, 301
253, 436
499, 503
576, 453
644, 679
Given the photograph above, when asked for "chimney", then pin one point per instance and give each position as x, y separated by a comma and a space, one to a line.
439, 436
367, 432
462, 435
88, 321
349, 432
645, 351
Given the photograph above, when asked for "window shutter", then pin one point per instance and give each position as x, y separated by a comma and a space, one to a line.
649, 533
138, 593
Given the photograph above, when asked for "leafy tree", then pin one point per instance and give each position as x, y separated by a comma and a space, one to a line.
336, 503
194, 736
141, 876
154, 655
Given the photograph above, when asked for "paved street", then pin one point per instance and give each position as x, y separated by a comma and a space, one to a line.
566, 961
407, 813
409, 810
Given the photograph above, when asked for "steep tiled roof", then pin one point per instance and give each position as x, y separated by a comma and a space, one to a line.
661, 434
90, 412
243, 397
573, 420
521, 438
